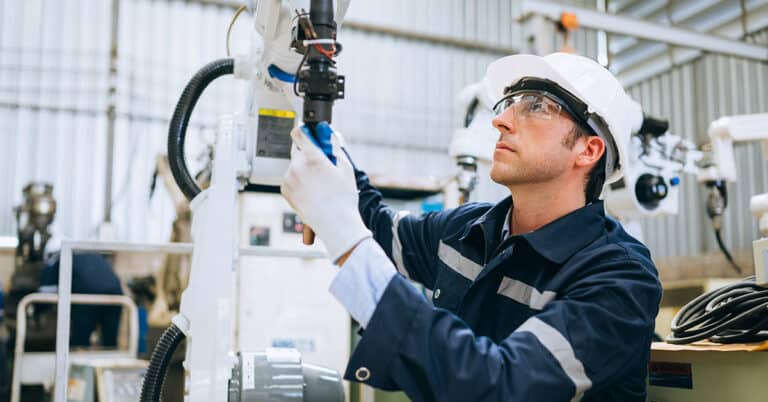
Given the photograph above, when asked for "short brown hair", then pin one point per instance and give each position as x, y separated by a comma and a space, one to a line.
596, 177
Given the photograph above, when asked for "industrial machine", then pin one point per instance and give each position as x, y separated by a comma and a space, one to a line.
33, 217
652, 175
657, 159
723, 133
290, 65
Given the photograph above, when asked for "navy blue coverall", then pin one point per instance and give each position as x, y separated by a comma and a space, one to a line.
91, 274
564, 313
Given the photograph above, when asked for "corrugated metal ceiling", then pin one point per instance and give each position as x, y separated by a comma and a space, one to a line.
635, 60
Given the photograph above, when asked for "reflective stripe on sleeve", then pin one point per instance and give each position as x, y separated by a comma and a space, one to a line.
397, 247
562, 351
525, 294
457, 262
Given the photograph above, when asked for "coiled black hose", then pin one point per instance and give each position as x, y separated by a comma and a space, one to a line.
178, 128
732, 314
152, 387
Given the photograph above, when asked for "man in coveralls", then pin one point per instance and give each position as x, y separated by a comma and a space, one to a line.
540, 297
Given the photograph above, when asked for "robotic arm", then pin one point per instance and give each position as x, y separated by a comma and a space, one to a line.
723, 133
291, 60
296, 62
650, 186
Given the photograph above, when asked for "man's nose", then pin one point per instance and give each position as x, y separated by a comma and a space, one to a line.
505, 122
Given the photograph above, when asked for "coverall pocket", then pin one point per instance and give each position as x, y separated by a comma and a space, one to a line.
449, 289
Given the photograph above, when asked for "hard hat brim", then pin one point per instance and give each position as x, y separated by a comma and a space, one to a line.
508, 70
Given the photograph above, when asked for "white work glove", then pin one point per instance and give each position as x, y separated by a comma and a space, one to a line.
323, 194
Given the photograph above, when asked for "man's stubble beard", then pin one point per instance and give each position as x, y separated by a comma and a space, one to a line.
508, 174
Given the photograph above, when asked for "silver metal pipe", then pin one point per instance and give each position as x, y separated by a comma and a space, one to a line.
184, 248
647, 30
62, 323
111, 109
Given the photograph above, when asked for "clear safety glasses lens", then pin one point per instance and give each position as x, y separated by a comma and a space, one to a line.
536, 106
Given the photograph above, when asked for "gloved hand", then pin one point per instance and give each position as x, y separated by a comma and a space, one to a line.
323, 194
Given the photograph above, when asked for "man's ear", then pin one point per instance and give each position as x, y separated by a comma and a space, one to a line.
592, 150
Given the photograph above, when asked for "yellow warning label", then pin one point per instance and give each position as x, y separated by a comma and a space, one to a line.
288, 114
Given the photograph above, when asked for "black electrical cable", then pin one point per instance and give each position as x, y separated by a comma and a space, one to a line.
298, 71
152, 386
725, 251
732, 314
178, 129
717, 201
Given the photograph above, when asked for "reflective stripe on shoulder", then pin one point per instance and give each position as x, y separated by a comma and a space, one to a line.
457, 262
397, 246
525, 294
562, 351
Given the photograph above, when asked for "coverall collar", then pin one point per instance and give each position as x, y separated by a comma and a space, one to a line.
556, 241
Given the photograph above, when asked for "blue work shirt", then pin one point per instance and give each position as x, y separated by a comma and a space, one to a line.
564, 313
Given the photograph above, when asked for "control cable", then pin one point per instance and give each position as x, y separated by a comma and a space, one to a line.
736, 313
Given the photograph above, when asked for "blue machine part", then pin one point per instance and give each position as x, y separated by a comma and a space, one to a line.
276, 72
432, 204
322, 138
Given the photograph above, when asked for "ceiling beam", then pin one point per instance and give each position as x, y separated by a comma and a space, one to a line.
646, 30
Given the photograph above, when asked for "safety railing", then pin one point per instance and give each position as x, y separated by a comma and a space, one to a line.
65, 296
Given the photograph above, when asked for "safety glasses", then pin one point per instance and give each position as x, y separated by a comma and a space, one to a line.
527, 105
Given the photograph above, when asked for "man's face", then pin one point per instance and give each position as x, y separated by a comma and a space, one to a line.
532, 146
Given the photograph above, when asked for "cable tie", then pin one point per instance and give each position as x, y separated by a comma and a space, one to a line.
319, 42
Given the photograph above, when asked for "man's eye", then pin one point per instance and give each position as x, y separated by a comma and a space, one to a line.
537, 107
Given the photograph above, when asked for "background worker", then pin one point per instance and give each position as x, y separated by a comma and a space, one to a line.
538, 297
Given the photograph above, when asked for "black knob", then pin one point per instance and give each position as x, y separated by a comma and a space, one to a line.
653, 127
650, 190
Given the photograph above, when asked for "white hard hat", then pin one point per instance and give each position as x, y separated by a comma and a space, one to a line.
602, 102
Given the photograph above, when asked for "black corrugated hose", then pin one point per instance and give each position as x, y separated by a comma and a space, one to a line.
152, 387
178, 128
736, 313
